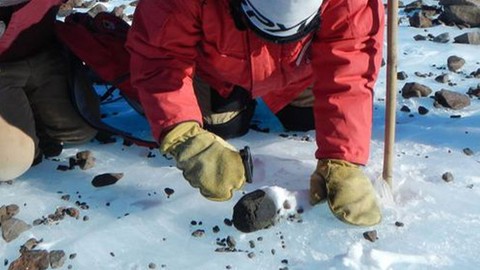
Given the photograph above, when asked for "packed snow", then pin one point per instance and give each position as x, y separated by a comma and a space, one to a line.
428, 223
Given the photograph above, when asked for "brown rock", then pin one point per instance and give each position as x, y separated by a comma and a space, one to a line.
455, 63
31, 260
414, 89
451, 99
371, 235
468, 38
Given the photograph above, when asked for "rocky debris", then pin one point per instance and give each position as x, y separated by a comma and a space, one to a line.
462, 12
474, 91
422, 110
198, 233
57, 258
402, 75
12, 228
8, 211
106, 179
447, 177
85, 160
405, 108
413, 89
30, 245
419, 20
419, 37
454, 63
59, 215
451, 99
169, 191
467, 151
399, 224
468, 38
152, 265
444, 78
31, 260
442, 38
371, 235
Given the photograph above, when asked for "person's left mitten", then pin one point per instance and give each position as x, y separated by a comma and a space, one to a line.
208, 162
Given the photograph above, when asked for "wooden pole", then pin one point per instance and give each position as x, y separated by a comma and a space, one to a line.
392, 28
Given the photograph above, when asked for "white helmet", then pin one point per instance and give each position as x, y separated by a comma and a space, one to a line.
282, 20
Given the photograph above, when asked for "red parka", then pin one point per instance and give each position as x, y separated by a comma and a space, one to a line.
172, 41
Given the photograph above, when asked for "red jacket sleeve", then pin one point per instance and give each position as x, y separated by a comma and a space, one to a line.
346, 57
162, 43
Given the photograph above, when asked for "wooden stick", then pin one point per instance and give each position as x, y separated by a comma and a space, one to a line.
392, 28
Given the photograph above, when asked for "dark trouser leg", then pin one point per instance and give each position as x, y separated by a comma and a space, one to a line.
228, 118
17, 126
298, 115
48, 92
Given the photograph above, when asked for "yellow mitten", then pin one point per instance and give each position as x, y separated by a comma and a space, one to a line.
207, 161
348, 191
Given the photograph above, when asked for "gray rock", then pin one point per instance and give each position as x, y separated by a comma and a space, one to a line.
455, 63
419, 20
461, 12
447, 177
442, 78
413, 89
442, 38
57, 258
12, 228
402, 75
468, 38
451, 99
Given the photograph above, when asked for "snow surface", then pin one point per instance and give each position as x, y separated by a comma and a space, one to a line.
134, 223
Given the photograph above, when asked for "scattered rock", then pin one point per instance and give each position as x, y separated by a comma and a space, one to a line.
467, 151
399, 224
465, 12
254, 211
419, 37
474, 91
442, 78
152, 265
419, 20
402, 75
31, 260
455, 63
442, 38
106, 179
198, 233
422, 110
168, 191
85, 160
447, 177
57, 258
12, 228
413, 89
371, 235
468, 38
30, 245
451, 99
405, 108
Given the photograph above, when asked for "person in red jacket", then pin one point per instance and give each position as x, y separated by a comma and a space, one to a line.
36, 113
198, 65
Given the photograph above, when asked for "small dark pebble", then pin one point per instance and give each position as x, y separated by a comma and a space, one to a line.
447, 177
251, 243
399, 224
69, 266
193, 223
65, 197
106, 179
72, 256
85, 218
251, 255
112, 254
216, 229
283, 268
63, 168
273, 251
169, 192
152, 265
422, 110
198, 233
5, 262
151, 155
228, 222
285, 261
468, 151
228, 267
456, 116
260, 238
370, 235
231, 241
